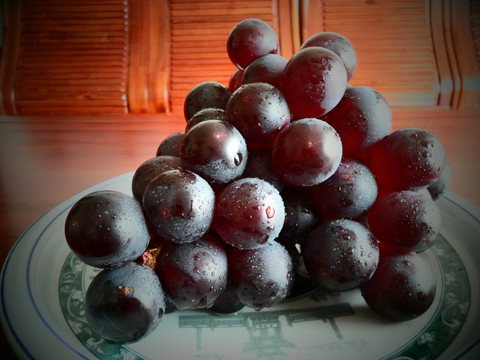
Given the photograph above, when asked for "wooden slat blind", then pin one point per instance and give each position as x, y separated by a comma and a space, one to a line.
393, 43
73, 57
199, 32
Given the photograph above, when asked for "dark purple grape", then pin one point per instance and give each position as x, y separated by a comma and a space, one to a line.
180, 205
403, 286
408, 220
260, 165
208, 94
307, 152
407, 159
149, 170
348, 193
314, 81
441, 186
215, 150
337, 43
362, 118
340, 255
250, 39
259, 111
170, 145
206, 114
261, 277
249, 213
266, 69
236, 80
300, 215
227, 302
125, 304
106, 229
194, 274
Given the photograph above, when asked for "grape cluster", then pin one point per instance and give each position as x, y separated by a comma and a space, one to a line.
288, 167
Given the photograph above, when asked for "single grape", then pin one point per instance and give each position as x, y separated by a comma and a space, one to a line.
266, 69
409, 220
441, 186
348, 193
250, 39
403, 286
407, 159
106, 229
215, 150
125, 304
337, 43
236, 80
170, 145
260, 165
207, 94
340, 255
149, 170
362, 118
180, 205
301, 216
249, 213
206, 114
261, 277
314, 81
259, 111
194, 274
307, 152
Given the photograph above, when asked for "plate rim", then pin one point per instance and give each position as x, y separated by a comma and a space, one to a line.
21, 348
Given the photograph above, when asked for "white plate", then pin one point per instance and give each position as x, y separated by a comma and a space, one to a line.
42, 288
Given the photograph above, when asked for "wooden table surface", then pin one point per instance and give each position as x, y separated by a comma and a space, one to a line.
44, 160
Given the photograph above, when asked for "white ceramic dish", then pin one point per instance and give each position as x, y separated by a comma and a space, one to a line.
43, 284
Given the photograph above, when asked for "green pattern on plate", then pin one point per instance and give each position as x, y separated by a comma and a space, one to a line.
428, 344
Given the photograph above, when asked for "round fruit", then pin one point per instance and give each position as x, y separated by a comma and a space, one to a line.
250, 39
307, 152
249, 213
340, 255
403, 286
314, 81
261, 277
125, 304
106, 229
180, 205
208, 94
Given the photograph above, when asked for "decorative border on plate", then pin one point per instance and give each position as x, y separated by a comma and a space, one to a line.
428, 344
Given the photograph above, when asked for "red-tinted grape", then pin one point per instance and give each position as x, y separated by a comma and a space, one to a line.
403, 286
314, 81
250, 39
236, 80
206, 114
267, 69
407, 159
409, 220
249, 213
307, 152
259, 111
337, 43
441, 186
348, 193
194, 274
362, 118
340, 255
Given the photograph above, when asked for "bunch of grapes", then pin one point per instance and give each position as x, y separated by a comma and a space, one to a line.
287, 168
